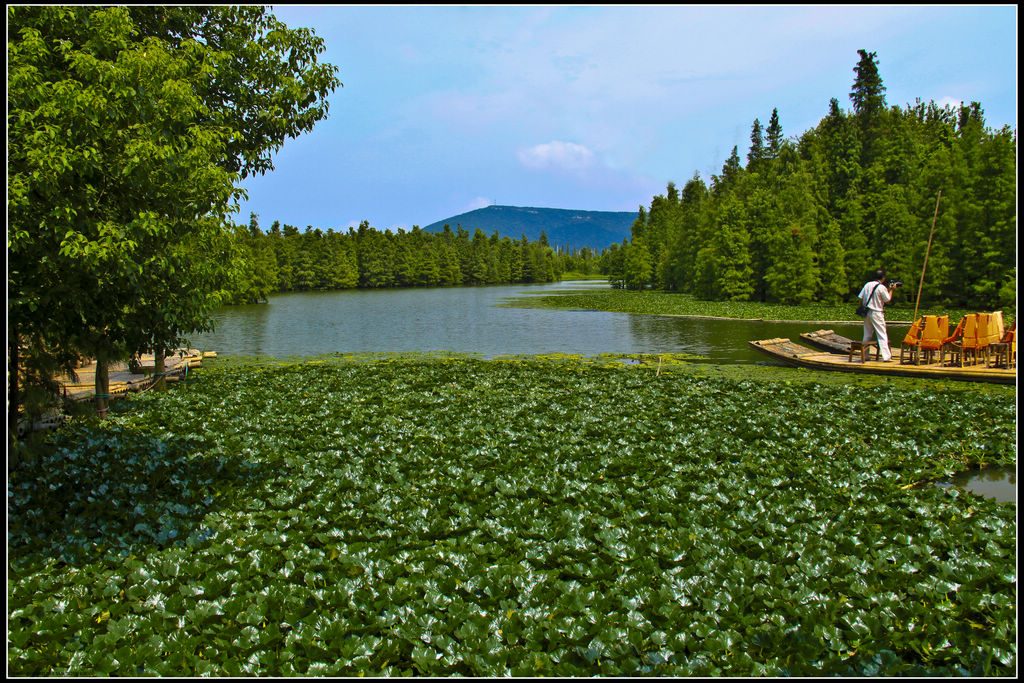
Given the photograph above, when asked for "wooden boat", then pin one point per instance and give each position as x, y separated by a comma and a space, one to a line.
827, 340
794, 354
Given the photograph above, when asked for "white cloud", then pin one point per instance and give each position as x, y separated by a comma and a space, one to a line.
947, 101
478, 203
566, 169
557, 155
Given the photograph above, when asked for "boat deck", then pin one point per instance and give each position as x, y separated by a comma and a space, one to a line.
789, 352
826, 340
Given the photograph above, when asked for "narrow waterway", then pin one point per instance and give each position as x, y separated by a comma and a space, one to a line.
469, 320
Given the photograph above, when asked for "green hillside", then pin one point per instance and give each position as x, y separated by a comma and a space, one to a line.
563, 227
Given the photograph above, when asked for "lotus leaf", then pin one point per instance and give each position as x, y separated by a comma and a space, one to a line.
558, 517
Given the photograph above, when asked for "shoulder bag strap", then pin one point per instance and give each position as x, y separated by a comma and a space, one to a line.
872, 294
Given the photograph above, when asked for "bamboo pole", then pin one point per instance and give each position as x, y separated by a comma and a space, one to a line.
926, 253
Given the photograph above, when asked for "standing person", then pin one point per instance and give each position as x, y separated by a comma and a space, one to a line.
875, 295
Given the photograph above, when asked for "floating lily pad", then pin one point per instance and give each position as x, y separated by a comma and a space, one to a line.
557, 517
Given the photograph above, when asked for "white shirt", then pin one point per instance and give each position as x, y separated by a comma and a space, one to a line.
874, 300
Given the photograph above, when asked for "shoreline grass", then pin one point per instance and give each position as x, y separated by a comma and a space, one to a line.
668, 303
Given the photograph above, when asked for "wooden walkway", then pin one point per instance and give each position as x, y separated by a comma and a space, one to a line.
123, 381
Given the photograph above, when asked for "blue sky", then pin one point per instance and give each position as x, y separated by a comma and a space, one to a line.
446, 109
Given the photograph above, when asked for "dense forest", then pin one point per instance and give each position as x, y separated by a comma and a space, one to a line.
807, 219
286, 260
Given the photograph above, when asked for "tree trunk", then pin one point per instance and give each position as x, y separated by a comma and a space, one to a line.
159, 370
13, 397
102, 387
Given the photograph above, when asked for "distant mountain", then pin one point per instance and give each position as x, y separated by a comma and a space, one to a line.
563, 227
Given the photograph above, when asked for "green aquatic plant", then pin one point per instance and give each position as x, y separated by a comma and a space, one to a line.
455, 516
668, 303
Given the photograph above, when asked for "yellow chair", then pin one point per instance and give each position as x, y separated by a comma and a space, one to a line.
995, 332
936, 329
1005, 349
992, 333
947, 343
995, 327
954, 344
983, 338
911, 342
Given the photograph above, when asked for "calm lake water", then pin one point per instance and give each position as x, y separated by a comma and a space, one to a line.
995, 482
467, 320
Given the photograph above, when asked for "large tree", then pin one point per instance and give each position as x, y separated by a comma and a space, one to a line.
128, 131
867, 95
868, 98
773, 134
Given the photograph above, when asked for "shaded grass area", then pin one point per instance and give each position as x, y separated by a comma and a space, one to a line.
667, 303
446, 515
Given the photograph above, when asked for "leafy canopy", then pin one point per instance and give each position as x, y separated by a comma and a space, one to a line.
128, 130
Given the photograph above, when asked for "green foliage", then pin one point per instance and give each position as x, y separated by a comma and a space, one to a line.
101, 139
671, 303
731, 246
860, 190
757, 150
792, 276
451, 516
831, 260
128, 130
637, 270
773, 135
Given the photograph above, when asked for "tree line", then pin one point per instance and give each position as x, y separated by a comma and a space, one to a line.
283, 259
807, 218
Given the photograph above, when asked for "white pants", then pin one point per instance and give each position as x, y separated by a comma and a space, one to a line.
874, 326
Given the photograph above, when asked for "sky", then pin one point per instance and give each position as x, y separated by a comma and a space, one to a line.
446, 109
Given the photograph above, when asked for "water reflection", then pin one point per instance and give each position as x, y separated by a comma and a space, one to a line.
464, 320
995, 482
719, 341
